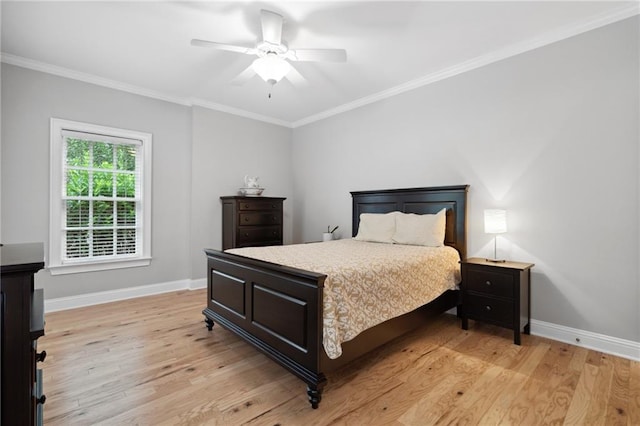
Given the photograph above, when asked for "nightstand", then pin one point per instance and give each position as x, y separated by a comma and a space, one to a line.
497, 293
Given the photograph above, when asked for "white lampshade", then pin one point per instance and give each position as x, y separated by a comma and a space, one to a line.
495, 221
271, 68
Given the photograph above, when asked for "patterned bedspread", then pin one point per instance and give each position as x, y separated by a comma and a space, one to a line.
367, 283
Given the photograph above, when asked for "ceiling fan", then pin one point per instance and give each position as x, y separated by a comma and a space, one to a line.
273, 54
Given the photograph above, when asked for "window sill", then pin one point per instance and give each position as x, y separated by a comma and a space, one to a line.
75, 268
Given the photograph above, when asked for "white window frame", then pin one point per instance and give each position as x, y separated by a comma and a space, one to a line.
55, 263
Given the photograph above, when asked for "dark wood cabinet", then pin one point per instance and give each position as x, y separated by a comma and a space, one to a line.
497, 293
251, 221
22, 323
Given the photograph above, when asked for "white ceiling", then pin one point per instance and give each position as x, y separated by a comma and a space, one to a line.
144, 47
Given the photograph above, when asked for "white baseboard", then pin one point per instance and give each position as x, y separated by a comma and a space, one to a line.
599, 342
82, 300
198, 284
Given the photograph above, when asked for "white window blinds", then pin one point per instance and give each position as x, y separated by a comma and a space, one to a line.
101, 195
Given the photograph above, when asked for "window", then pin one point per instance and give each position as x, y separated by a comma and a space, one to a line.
100, 198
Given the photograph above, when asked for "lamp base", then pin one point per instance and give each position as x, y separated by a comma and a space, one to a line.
496, 260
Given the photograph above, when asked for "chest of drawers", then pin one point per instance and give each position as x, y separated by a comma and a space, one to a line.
496, 293
251, 221
21, 324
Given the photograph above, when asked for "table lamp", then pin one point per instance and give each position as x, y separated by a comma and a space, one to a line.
495, 222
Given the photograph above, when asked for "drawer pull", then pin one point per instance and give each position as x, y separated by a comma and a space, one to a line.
246, 206
41, 356
273, 206
275, 232
246, 234
246, 219
488, 282
41, 400
488, 308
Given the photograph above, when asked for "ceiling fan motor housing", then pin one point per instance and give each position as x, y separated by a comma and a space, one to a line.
265, 48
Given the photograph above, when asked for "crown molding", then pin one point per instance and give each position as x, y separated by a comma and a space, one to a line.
136, 90
20, 61
236, 111
480, 61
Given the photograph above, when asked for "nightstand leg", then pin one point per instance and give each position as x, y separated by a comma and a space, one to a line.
527, 329
516, 337
465, 323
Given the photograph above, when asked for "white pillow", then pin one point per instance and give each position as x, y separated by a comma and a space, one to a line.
421, 229
377, 227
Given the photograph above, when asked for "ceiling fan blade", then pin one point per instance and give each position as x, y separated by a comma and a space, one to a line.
271, 27
296, 78
221, 46
244, 76
318, 55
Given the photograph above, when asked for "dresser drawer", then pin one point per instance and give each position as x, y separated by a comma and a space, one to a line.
259, 236
488, 308
259, 205
489, 282
260, 218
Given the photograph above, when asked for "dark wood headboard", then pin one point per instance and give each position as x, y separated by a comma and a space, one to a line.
419, 201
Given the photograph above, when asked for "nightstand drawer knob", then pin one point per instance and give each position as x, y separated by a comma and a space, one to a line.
488, 282
488, 308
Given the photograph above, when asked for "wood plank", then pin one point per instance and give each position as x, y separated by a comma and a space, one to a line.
581, 400
536, 399
634, 394
596, 415
618, 401
152, 361
508, 393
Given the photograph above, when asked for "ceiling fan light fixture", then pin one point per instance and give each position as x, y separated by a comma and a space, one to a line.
271, 68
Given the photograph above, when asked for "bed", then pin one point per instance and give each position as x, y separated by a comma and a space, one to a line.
279, 309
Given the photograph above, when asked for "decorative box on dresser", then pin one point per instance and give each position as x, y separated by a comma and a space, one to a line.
497, 293
251, 221
22, 323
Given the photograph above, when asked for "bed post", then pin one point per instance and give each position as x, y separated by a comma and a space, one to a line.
315, 392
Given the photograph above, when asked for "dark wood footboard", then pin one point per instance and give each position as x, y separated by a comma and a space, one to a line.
275, 308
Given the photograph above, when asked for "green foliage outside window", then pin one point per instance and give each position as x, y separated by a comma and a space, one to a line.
105, 171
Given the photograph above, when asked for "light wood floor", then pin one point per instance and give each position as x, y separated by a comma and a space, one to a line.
151, 361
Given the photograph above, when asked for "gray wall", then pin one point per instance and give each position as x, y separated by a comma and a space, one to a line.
29, 100
225, 149
550, 135
198, 155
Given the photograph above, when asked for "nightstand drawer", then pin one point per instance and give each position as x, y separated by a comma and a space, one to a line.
493, 283
261, 218
487, 308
